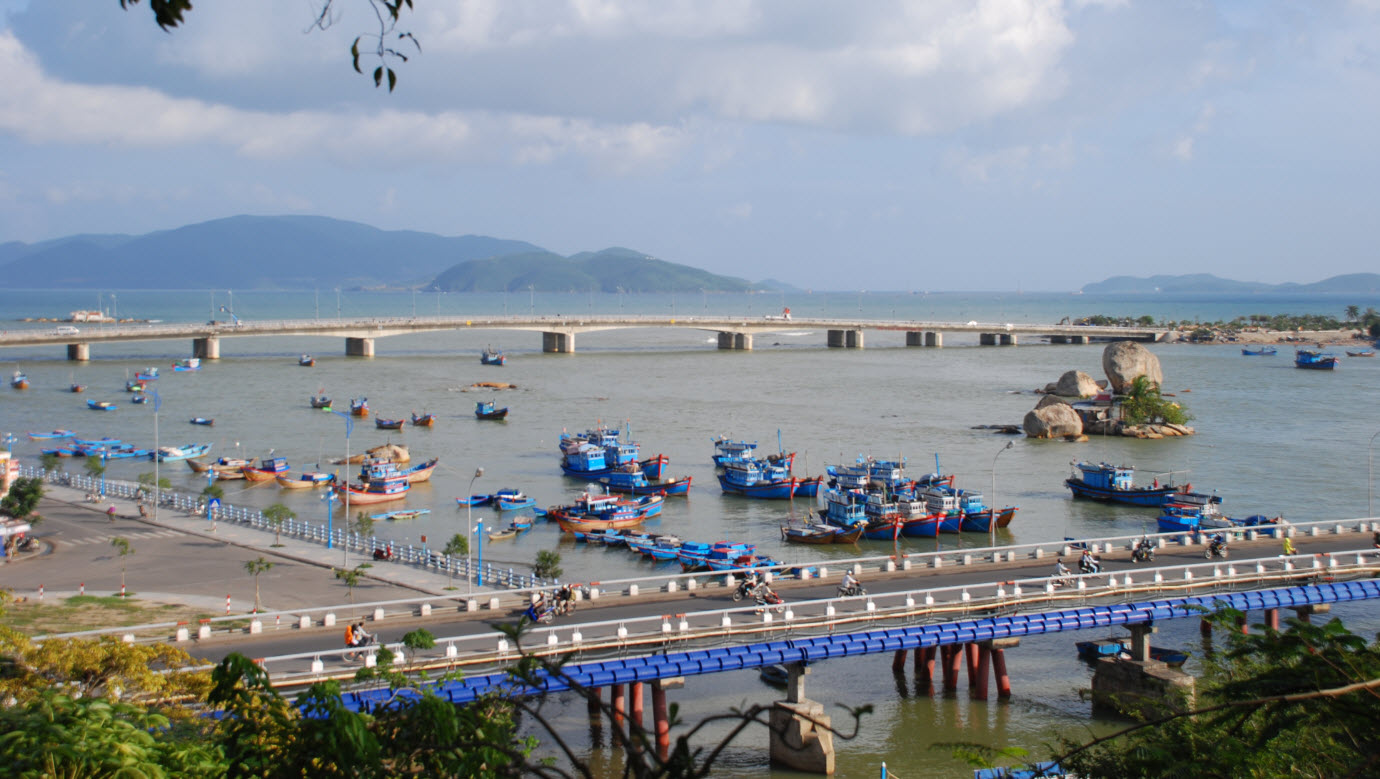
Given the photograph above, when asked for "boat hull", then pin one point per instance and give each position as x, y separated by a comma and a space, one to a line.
981, 522
364, 497
764, 490
1136, 496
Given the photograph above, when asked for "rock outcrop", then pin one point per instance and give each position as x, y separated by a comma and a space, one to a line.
1123, 361
1076, 384
1054, 420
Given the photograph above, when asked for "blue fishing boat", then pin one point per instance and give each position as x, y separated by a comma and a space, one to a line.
636, 483
101, 405
139, 398
206, 421
187, 364
1314, 360
1120, 647
485, 409
951, 504
599, 452
727, 450
492, 357
385, 483
1263, 351
475, 500
1191, 516
513, 500
50, 436
758, 479
19, 380
147, 374
1115, 484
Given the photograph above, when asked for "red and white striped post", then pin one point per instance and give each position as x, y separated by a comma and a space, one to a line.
227, 604
83, 588
40, 592
122, 590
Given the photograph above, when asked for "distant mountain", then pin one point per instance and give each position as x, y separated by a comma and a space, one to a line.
610, 270
259, 252
1208, 284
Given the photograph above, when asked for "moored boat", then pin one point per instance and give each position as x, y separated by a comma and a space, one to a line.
599, 452
101, 405
388, 424
268, 469
134, 385
1314, 360
51, 435
77, 388
305, 480
148, 374
492, 357
423, 420
727, 450
1115, 484
385, 483
207, 421
400, 514
19, 380
175, 453
485, 409
139, 398
812, 533
417, 473
187, 364
1263, 351
1121, 647
636, 483
1362, 353
513, 500
758, 479
306, 361
475, 500
321, 401
227, 463
359, 407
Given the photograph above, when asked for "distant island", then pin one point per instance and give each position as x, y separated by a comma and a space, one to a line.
1208, 284
308, 252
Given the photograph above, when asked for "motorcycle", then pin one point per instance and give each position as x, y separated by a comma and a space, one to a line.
1143, 553
744, 588
852, 590
1089, 565
383, 554
547, 614
1216, 549
768, 599
357, 651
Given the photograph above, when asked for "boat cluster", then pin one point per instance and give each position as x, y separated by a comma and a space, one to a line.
1181, 508
692, 555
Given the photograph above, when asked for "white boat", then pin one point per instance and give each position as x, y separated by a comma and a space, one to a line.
174, 453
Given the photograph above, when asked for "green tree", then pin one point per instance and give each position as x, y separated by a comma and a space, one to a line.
255, 567
1353, 313
275, 516
1301, 702
94, 467
547, 565
171, 13
147, 480
213, 491
352, 578
1143, 404
125, 549
48, 462
417, 640
23, 498
456, 546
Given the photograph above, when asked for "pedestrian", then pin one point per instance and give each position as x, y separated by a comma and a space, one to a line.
1289, 547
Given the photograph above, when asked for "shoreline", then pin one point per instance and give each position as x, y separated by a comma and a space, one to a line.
1297, 338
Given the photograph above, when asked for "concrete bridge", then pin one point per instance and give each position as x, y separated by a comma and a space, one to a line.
558, 332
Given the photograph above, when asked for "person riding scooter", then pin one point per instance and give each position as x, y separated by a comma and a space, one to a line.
1089, 564
850, 585
1217, 547
1144, 551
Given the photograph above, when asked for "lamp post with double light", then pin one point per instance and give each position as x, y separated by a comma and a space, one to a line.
344, 487
469, 523
992, 523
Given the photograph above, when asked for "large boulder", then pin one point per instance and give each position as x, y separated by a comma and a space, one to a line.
1076, 384
1056, 420
1123, 361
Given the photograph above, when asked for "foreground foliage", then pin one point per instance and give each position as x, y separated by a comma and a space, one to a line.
1302, 702
1143, 404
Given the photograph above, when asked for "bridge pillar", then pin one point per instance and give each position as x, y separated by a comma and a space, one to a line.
935, 339
984, 664
835, 339
206, 348
924, 665
999, 671
359, 347
1140, 641
735, 341
799, 728
952, 657
636, 722
1078, 339
616, 701
1272, 619
661, 721
558, 343
915, 338
79, 352
987, 339
1007, 339
898, 661
1305, 613
1058, 339
970, 652
853, 339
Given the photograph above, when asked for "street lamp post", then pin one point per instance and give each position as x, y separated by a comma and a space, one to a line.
1370, 475
345, 487
157, 455
469, 525
330, 499
992, 523
479, 539
9, 441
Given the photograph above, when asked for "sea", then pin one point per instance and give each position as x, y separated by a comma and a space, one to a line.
1270, 439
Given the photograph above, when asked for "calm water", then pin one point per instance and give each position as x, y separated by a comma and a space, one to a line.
1272, 439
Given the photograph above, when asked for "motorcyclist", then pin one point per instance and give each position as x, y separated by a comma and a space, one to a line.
763, 594
565, 599
850, 584
749, 584
1217, 544
1061, 573
537, 607
1089, 564
1145, 550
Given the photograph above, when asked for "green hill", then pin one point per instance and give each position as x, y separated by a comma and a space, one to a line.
610, 270
1208, 284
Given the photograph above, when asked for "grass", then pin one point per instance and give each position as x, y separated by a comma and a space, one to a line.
90, 612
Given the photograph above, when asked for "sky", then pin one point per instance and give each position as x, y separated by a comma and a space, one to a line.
1031, 145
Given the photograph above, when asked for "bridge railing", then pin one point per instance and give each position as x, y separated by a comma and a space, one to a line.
668, 632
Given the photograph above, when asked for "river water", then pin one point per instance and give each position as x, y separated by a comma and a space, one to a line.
1271, 440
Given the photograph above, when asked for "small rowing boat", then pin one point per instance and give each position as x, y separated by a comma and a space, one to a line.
400, 514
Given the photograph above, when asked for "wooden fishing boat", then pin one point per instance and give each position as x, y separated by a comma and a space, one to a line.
386, 483
101, 405
77, 388
1263, 351
306, 361
390, 452
359, 407
1364, 353
400, 514
50, 436
321, 402
147, 374
573, 524
187, 364
19, 381
491, 357
134, 386
511, 531
1314, 360
636, 483
417, 473
174, 453
305, 481
484, 409
423, 420
228, 463
810, 533
268, 469
388, 424
475, 500
207, 421
513, 500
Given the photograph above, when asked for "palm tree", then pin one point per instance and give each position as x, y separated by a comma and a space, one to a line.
1353, 313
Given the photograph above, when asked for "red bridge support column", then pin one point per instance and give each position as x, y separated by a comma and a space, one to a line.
1205, 627
1242, 625
592, 700
637, 724
999, 670
924, 665
984, 663
616, 691
898, 661
1272, 619
951, 656
970, 651
661, 722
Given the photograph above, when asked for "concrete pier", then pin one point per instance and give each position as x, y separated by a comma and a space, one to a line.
79, 352
735, 341
801, 738
935, 339
1142, 689
206, 348
557, 343
359, 347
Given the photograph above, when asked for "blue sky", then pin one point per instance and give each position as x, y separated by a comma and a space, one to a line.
936, 145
